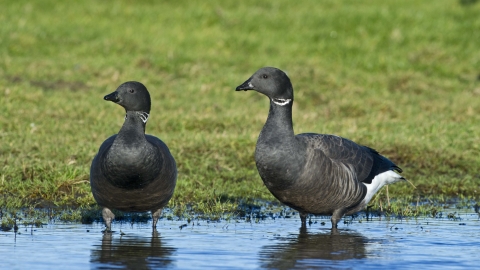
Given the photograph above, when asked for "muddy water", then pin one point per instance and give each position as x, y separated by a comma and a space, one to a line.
425, 243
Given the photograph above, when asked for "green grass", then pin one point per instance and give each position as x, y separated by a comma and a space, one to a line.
400, 76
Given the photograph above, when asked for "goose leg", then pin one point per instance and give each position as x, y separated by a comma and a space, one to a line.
303, 218
336, 216
155, 217
108, 216
388, 198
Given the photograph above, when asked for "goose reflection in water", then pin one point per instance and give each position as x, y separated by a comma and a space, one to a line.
313, 250
131, 252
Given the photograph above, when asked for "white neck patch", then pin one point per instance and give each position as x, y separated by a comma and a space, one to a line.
144, 116
281, 101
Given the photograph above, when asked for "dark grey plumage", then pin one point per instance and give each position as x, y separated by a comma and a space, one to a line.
132, 171
313, 173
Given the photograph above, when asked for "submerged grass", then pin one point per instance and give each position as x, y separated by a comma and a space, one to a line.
402, 77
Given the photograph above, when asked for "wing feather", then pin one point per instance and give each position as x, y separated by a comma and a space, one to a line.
366, 162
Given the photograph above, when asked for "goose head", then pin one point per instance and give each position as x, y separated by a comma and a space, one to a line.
133, 96
272, 82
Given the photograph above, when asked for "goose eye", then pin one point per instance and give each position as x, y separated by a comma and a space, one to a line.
264, 76
131, 90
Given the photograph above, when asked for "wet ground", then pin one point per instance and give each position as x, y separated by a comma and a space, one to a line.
424, 243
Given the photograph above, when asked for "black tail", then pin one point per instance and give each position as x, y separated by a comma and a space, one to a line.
380, 165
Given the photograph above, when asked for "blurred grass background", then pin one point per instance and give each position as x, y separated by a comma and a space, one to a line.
400, 76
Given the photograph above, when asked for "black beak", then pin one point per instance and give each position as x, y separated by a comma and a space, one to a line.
247, 85
112, 97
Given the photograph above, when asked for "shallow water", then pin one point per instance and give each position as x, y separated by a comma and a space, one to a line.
423, 243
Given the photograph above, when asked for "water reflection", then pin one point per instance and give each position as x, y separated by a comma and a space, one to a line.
313, 249
131, 252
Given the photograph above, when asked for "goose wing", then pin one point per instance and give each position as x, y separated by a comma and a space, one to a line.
365, 161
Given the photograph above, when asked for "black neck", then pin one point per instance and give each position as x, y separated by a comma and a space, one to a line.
134, 127
279, 122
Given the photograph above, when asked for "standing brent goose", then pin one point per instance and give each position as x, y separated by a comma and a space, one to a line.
132, 172
313, 173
